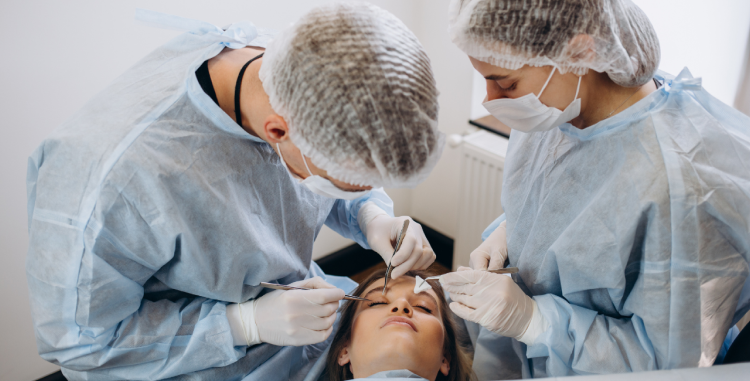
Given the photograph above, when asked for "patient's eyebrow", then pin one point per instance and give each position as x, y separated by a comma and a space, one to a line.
376, 289
430, 296
371, 291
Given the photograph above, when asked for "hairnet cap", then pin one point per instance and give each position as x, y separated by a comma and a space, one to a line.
612, 36
356, 88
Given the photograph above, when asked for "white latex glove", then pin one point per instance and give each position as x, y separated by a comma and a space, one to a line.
492, 253
381, 231
495, 302
296, 317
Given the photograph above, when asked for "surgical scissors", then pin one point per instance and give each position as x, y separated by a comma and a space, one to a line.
398, 246
287, 288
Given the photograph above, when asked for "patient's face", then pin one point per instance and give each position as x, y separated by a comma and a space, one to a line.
398, 330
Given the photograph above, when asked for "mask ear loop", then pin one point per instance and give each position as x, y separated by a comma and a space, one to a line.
546, 83
284, 161
280, 155
305, 161
578, 88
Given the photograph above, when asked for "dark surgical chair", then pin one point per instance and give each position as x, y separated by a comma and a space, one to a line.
739, 351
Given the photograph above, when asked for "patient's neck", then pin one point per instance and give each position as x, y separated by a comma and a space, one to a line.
393, 360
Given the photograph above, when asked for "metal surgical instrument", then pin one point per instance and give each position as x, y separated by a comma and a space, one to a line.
398, 246
284, 287
507, 270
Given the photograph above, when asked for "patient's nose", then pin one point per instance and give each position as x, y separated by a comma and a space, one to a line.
402, 307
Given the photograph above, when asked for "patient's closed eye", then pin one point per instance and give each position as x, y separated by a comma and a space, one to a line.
426, 309
429, 311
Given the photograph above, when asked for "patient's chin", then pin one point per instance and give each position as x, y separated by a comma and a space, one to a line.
397, 350
388, 360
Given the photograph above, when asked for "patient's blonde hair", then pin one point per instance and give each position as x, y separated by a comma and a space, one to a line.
460, 362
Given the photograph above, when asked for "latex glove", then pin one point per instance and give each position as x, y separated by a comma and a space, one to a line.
492, 253
296, 317
381, 231
493, 301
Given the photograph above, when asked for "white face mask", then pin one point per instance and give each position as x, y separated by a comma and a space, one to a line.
319, 185
529, 114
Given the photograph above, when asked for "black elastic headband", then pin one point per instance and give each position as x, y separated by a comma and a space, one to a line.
237, 112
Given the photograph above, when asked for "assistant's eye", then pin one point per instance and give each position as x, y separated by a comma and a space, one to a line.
375, 304
429, 311
512, 87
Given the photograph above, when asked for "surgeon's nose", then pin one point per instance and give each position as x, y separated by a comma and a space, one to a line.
402, 307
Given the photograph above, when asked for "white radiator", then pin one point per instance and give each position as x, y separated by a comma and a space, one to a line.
482, 159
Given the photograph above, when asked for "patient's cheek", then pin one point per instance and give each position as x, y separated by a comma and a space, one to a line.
434, 331
362, 332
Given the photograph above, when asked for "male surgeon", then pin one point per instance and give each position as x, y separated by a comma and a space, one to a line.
210, 166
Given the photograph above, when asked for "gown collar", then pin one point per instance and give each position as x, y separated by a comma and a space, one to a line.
639, 110
401, 373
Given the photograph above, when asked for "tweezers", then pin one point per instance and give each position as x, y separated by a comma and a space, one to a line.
284, 287
507, 270
398, 246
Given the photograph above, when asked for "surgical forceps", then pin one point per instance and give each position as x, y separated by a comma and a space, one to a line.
398, 246
286, 288
507, 270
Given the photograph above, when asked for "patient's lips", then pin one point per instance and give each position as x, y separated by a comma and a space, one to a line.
399, 320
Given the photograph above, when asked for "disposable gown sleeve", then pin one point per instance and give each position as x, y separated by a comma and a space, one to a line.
563, 343
343, 216
491, 228
89, 309
581, 341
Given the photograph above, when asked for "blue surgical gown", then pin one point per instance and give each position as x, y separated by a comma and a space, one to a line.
632, 235
151, 209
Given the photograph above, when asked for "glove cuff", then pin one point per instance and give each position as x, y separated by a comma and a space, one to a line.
242, 323
368, 212
537, 326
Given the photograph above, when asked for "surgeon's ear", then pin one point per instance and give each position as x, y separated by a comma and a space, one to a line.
445, 366
276, 129
581, 48
344, 356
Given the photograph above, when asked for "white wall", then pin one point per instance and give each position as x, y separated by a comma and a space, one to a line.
434, 202
58, 54
709, 37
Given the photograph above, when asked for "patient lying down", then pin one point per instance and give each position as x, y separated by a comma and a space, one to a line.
399, 335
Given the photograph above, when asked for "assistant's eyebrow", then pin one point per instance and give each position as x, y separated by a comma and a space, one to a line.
495, 77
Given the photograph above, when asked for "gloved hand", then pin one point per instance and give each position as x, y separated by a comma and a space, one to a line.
381, 231
492, 253
296, 317
493, 301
